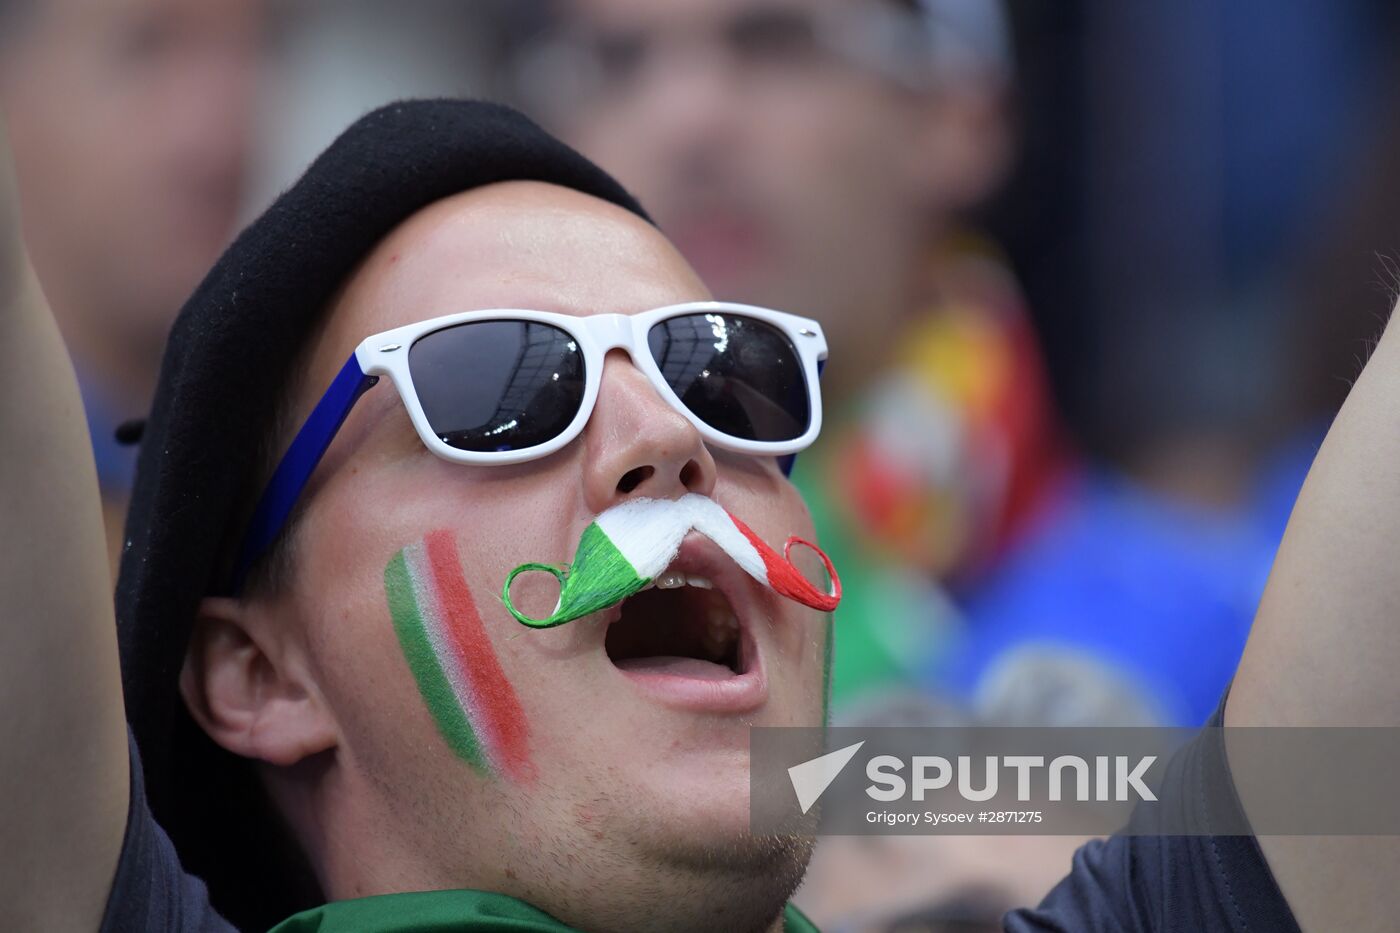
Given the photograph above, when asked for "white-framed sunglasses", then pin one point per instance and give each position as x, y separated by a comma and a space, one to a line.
502, 386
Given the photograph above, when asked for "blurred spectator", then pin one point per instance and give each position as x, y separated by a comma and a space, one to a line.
332, 61
797, 151
130, 123
823, 156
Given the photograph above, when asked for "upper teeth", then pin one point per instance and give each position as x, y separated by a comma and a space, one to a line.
670, 581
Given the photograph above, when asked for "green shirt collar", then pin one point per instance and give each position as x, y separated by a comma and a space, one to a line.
449, 912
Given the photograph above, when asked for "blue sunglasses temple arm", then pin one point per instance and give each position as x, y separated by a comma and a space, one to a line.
295, 469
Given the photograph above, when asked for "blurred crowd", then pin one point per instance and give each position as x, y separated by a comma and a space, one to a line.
1094, 276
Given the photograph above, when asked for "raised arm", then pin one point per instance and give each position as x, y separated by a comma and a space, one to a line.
63, 753
1325, 649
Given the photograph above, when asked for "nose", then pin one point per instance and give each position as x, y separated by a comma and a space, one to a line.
636, 445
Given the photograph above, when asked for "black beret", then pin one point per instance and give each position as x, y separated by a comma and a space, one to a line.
229, 353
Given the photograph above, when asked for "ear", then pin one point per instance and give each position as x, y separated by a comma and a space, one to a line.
964, 145
246, 684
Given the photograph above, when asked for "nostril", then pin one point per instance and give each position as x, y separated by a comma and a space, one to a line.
690, 475
634, 478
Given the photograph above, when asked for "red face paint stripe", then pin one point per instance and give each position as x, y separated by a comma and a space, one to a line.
414, 628
496, 713
786, 579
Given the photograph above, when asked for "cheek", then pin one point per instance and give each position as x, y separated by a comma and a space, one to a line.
479, 672
428, 674
454, 663
385, 729
411, 638
508, 701
818, 650
765, 501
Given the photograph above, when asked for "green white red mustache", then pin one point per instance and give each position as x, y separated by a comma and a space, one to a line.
627, 546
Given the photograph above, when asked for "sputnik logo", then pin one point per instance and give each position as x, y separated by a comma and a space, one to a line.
811, 778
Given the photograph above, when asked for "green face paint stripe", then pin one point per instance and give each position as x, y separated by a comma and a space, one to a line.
828, 648
616, 577
600, 576
433, 685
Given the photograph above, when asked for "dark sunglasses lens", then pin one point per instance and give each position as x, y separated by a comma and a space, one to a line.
739, 375
498, 385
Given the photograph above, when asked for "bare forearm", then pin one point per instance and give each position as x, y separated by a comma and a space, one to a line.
63, 784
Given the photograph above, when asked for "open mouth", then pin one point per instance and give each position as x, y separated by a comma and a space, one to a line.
687, 640
681, 626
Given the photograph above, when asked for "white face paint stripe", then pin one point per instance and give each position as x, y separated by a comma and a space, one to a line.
714, 523
430, 609
648, 531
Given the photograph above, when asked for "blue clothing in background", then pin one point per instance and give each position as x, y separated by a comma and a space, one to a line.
1162, 595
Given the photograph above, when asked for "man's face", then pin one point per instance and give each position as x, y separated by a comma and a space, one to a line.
630, 792
784, 170
130, 126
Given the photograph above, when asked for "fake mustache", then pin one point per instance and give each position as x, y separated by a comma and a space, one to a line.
624, 548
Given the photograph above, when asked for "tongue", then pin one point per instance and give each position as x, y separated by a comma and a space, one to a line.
672, 666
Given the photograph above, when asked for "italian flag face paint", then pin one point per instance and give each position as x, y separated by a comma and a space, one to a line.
458, 674
628, 545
